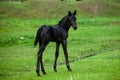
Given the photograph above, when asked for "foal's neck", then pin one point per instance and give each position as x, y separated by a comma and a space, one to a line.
63, 23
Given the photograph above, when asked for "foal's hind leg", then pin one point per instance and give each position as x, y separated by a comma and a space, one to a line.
39, 59
38, 64
42, 67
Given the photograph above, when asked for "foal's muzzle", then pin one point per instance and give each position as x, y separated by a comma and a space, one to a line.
74, 27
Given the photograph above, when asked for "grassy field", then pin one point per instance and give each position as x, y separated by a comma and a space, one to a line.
94, 48
103, 66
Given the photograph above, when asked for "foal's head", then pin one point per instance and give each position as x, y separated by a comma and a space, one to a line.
72, 19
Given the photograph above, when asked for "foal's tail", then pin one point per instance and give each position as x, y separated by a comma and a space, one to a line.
37, 36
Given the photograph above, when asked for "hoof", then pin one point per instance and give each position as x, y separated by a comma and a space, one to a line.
69, 70
38, 74
55, 70
44, 73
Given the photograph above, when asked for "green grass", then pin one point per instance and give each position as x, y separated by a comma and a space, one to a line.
94, 36
98, 34
104, 66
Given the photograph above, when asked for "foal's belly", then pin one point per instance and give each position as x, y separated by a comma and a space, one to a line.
56, 40
57, 35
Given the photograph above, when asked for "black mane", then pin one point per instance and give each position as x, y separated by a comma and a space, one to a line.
62, 20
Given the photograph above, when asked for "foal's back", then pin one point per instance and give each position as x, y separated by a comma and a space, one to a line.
45, 33
52, 33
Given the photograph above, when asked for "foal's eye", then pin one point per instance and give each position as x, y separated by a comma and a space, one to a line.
74, 18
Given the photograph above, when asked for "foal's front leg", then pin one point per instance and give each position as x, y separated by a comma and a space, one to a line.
56, 55
64, 45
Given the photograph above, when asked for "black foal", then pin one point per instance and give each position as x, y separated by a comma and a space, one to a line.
58, 34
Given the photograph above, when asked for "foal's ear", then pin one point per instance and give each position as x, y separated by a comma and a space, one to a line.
69, 13
75, 12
